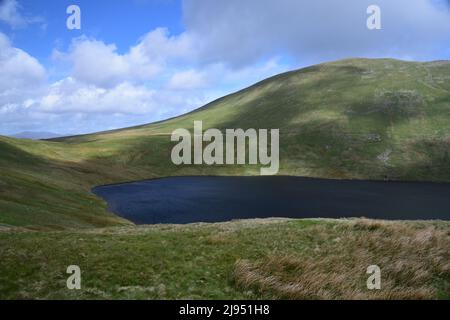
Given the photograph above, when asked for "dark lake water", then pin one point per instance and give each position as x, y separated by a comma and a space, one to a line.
183, 200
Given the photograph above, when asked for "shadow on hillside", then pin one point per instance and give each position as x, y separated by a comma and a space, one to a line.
10, 154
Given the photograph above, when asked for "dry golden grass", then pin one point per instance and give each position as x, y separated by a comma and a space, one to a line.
412, 258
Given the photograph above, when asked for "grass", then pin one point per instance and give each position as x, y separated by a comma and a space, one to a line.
412, 261
354, 119
273, 258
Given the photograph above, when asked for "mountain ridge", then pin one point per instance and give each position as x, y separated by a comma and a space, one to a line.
261, 82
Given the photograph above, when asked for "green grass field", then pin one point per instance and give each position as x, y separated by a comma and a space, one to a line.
356, 118
273, 258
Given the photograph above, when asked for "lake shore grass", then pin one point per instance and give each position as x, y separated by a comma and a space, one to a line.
245, 259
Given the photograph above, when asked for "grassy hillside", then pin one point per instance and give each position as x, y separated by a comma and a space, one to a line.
358, 118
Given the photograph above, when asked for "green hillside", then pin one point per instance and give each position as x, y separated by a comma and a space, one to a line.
357, 118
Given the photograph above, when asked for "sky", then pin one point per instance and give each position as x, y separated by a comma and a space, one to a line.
139, 61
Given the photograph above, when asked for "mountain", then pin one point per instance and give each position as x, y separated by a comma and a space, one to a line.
36, 135
355, 118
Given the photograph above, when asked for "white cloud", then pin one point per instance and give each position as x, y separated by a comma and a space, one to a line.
142, 62
18, 68
159, 45
190, 79
21, 77
69, 95
97, 63
112, 68
10, 13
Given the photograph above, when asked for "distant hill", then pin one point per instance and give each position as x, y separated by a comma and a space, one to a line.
36, 135
356, 118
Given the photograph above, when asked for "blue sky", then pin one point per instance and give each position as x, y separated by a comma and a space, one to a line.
139, 61
109, 20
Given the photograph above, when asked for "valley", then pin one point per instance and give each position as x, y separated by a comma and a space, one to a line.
356, 119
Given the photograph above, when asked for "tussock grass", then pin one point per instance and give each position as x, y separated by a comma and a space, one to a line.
248, 259
411, 258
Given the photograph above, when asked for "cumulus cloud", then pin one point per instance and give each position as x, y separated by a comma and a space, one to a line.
18, 68
159, 45
142, 62
189, 79
97, 63
22, 77
71, 96
239, 32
